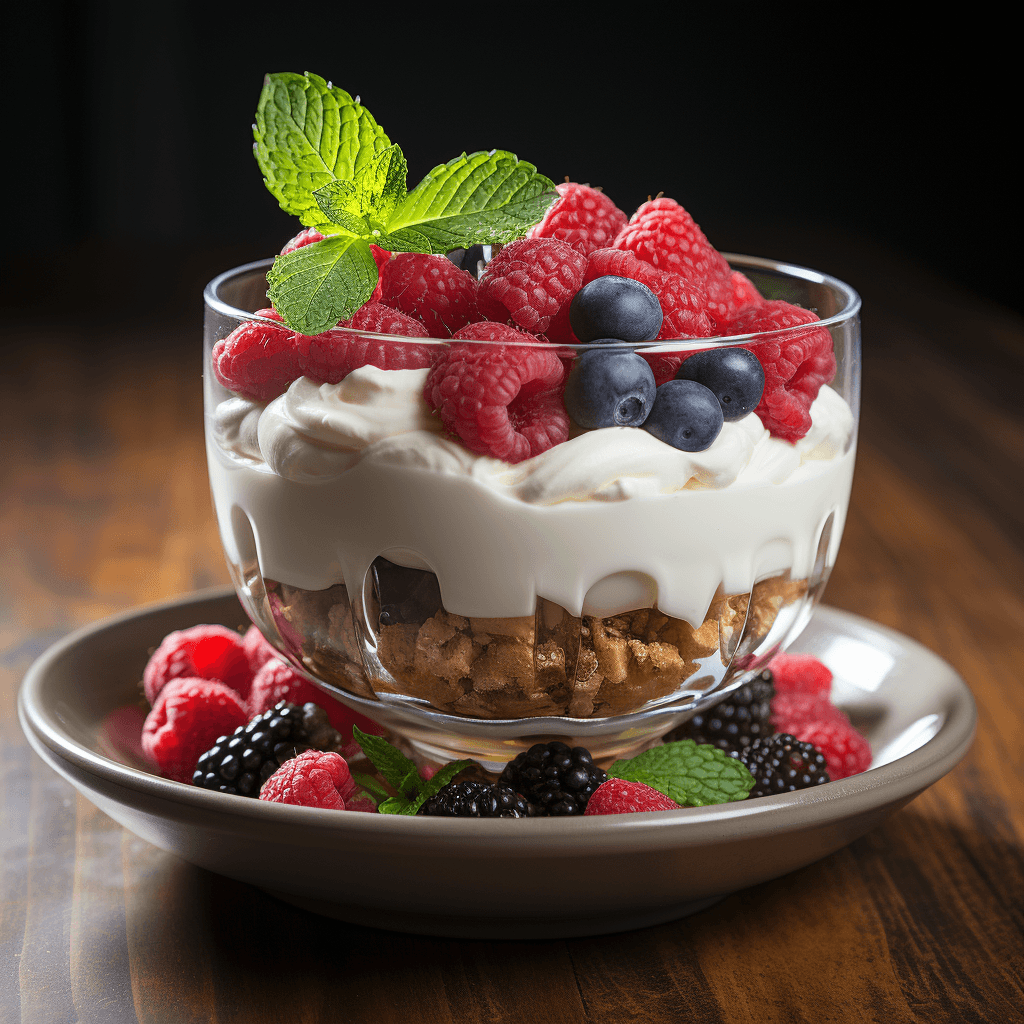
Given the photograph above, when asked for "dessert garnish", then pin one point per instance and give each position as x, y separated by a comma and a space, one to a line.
556, 779
327, 161
783, 764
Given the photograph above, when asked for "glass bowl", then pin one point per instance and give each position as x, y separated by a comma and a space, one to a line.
601, 592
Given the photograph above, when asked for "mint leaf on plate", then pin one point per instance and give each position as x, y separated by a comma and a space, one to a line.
309, 133
318, 285
692, 774
481, 198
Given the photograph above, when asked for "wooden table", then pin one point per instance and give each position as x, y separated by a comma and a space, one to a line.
106, 505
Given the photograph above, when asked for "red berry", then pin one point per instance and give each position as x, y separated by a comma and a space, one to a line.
846, 751
617, 796
663, 234
257, 360
529, 281
313, 779
800, 673
582, 217
187, 718
796, 364
206, 652
792, 711
432, 289
501, 399
258, 649
729, 295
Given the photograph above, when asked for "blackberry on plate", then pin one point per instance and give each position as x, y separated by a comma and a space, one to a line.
475, 799
734, 723
242, 762
782, 764
555, 779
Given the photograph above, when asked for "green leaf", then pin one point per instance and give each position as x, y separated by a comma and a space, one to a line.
339, 201
372, 785
307, 134
440, 779
364, 204
387, 759
691, 774
480, 198
318, 285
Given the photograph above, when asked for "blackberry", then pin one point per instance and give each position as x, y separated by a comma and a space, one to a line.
782, 764
242, 762
473, 799
736, 722
555, 779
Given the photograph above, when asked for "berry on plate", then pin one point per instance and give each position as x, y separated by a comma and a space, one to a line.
204, 652
583, 217
556, 779
800, 673
685, 415
473, 799
313, 779
618, 796
783, 764
609, 389
846, 751
734, 723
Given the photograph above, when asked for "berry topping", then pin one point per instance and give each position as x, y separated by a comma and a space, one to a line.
188, 716
610, 389
583, 217
801, 673
734, 375
615, 307
796, 365
685, 415
501, 400
307, 236
618, 796
729, 295
846, 751
313, 779
432, 289
476, 800
663, 234
242, 762
257, 360
204, 652
734, 723
529, 281
555, 779
782, 764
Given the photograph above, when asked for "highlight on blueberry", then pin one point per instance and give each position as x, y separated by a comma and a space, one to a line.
734, 375
610, 389
619, 308
686, 415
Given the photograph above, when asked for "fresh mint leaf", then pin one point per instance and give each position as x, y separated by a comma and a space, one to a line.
480, 198
691, 774
372, 785
318, 285
340, 202
440, 779
397, 769
307, 134
364, 204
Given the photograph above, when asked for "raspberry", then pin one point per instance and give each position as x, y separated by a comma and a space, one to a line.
792, 711
187, 718
277, 681
796, 364
432, 289
663, 234
846, 751
313, 779
257, 360
529, 281
582, 217
729, 295
205, 652
800, 673
500, 399
617, 796
307, 236
258, 649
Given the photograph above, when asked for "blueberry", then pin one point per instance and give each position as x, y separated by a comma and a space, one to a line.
685, 415
615, 307
610, 389
735, 375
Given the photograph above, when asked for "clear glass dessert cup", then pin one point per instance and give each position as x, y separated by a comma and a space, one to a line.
601, 593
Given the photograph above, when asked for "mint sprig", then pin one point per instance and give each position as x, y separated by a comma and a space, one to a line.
327, 161
402, 775
692, 774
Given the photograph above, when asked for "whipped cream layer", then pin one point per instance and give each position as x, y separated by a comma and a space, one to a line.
331, 476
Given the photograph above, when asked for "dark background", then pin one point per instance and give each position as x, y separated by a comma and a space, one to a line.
130, 180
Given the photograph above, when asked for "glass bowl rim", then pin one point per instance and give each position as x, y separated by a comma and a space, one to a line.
850, 310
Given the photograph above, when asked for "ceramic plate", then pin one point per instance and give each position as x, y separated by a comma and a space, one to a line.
81, 709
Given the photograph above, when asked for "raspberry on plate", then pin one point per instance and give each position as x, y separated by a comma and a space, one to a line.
205, 652
583, 217
800, 673
313, 779
846, 751
529, 281
791, 711
617, 796
258, 649
795, 364
432, 289
187, 718
500, 399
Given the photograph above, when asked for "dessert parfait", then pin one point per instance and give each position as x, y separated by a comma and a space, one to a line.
493, 461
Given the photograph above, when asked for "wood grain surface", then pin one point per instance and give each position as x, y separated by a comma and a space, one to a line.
105, 505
